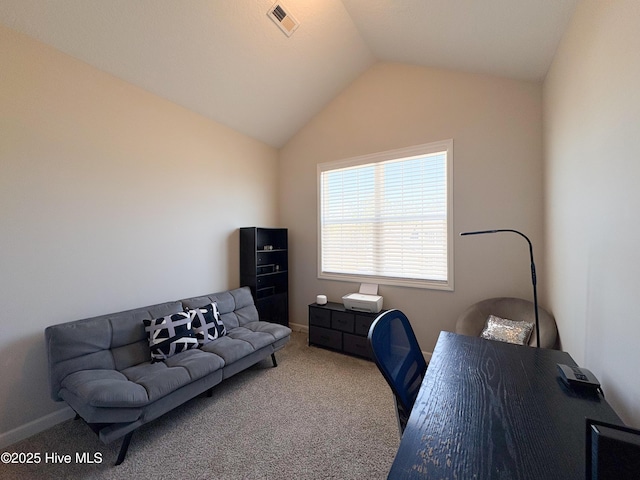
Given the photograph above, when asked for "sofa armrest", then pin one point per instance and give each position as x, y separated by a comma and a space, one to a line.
105, 388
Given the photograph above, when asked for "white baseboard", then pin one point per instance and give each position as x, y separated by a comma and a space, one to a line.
298, 327
35, 426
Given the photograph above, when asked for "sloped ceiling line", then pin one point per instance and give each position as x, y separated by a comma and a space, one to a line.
226, 61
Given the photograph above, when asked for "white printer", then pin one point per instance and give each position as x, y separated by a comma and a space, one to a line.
366, 300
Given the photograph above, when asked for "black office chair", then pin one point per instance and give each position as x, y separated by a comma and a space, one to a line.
399, 358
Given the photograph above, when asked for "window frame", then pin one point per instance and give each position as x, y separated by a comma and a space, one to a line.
400, 153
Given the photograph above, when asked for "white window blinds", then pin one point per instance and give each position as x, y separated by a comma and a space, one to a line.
387, 217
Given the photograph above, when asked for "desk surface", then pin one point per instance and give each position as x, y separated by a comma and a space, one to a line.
490, 410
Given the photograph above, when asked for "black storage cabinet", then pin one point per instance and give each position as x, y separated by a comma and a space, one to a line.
332, 326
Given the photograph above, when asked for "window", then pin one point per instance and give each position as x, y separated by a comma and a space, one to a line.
386, 218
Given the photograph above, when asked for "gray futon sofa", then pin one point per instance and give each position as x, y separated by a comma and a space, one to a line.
102, 366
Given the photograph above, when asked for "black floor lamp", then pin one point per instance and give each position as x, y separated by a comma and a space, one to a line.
533, 271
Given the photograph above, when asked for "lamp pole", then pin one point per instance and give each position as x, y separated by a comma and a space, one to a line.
534, 280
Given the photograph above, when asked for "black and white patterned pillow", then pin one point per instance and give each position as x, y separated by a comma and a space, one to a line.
169, 335
206, 323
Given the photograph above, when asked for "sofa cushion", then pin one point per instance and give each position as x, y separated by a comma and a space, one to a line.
162, 378
256, 339
277, 331
236, 306
238, 343
169, 335
196, 362
229, 349
103, 342
206, 323
105, 388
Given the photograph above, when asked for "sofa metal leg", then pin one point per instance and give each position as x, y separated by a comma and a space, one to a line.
124, 447
210, 392
273, 359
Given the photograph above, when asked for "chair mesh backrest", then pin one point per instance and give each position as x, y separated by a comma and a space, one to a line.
398, 356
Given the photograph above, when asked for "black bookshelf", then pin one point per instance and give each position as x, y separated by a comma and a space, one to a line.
264, 267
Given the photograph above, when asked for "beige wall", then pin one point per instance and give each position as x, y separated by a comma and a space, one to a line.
110, 198
592, 169
497, 132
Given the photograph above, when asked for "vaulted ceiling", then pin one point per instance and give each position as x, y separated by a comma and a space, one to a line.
227, 60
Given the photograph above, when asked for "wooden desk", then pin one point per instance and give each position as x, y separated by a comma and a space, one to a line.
492, 410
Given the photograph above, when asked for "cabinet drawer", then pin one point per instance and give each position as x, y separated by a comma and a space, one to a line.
342, 321
357, 345
319, 317
325, 337
363, 322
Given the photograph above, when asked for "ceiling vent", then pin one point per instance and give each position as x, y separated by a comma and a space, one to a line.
281, 17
